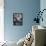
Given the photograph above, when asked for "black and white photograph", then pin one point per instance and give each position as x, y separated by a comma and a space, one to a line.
17, 18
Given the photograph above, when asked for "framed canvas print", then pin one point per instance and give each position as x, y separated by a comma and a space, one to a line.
18, 19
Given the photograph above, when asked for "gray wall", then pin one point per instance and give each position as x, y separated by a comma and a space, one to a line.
28, 8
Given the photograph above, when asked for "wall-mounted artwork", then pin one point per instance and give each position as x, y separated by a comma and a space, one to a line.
18, 19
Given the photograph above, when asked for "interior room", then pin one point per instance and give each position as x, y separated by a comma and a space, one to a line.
22, 23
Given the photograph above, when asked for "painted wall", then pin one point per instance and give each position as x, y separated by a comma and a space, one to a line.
1, 20
43, 6
28, 8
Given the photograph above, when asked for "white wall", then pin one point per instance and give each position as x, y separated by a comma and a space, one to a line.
1, 20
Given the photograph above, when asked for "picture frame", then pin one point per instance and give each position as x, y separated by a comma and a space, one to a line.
17, 19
